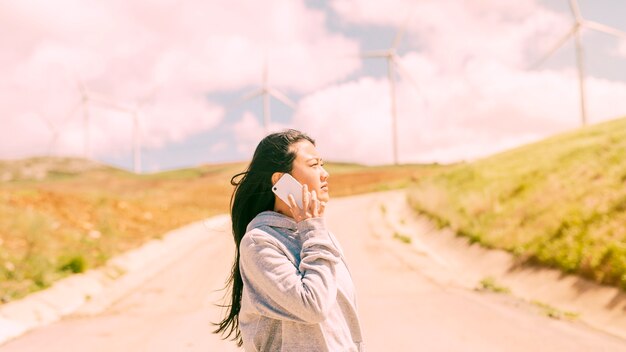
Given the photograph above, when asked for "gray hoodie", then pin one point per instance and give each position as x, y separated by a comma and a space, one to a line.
297, 292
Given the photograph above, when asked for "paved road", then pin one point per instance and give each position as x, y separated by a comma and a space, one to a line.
402, 309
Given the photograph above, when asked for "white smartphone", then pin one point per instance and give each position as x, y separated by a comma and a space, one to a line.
287, 185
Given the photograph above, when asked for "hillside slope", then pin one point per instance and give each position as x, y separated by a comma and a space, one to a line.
560, 202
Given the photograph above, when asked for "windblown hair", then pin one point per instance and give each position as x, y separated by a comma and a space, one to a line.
253, 195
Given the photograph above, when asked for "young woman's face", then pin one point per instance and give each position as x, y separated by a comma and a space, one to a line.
308, 168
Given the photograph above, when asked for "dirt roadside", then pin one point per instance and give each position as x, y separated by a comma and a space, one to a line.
452, 262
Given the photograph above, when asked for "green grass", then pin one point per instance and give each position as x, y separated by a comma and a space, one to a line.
402, 238
490, 284
560, 202
555, 313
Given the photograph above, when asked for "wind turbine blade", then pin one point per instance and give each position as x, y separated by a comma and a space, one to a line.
556, 47
398, 38
149, 98
47, 121
405, 73
604, 28
249, 96
73, 110
253, 94
573, 4
282, 97
375, 54
347, 56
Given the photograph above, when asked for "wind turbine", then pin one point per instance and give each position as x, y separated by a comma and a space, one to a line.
393, 65
88, 97
266, 91
579, 24
135, 114
84, 102
56, 129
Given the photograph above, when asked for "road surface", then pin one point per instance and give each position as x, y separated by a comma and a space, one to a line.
401, 308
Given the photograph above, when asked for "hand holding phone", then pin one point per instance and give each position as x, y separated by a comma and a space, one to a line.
306, 203
287, 185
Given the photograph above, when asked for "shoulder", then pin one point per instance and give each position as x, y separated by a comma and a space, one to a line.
255, 239
259, 250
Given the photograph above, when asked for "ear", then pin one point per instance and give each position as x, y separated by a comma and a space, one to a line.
276, 176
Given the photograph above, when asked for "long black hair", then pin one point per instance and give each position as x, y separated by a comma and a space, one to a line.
253, 195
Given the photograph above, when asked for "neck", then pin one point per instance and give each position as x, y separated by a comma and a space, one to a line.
281, 207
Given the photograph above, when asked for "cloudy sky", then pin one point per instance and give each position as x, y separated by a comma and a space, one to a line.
465, 88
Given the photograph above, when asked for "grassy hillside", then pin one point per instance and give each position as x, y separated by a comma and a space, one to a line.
560, 202
62, 216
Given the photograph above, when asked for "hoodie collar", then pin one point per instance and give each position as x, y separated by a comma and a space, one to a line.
273, 219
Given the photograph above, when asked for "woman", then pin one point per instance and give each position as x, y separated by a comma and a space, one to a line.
291, 289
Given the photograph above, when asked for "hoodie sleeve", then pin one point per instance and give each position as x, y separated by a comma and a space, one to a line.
277, 288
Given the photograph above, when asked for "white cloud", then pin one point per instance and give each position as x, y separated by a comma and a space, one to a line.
455, 33
125, 50
475, 96
621, 48
350, 122
496, 108
248, 133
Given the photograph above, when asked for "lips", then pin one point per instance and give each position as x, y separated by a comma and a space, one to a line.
324, 187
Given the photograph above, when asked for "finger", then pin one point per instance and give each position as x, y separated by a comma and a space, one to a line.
295, 211
314, 204
306, 197
292, 205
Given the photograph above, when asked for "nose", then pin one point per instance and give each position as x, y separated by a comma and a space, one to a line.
324, 174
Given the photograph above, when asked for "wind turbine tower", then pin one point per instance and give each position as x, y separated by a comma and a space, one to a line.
393, 65
135, 115
84, 102
575, 31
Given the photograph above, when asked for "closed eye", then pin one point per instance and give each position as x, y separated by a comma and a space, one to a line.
316, 162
